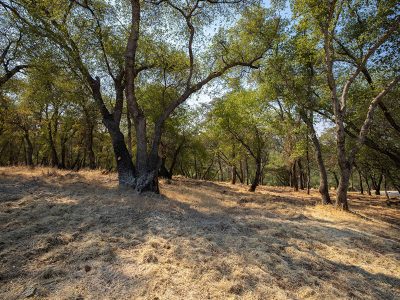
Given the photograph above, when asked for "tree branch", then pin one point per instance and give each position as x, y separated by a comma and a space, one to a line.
368, 120
364, 60
10, 74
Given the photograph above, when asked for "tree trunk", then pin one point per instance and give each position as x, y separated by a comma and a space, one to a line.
53, 151
125, 168
233, 165
294, 176
308, 167
204, 176
129, 124
339, 112
361, 183
233, 174
341, 193
163, 172
147, 181
15, 158
241, 177
256, 179
147, 164
70, 156
182, 170
301, 174
262, 176
37, 157
141, 147
221, 174
378, 185
323, 177
89, 146
63, 152
247, 169
368, 186
385, 187
3, 148
336, 180
29, 150
44, 161
345, 166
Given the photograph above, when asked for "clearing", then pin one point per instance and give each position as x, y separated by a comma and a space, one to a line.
76, 235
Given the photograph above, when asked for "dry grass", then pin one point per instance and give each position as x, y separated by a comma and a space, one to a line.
68, 235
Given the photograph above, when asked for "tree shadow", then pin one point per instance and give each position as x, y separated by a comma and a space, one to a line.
58, 229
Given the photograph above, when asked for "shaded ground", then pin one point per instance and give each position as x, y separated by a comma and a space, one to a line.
66, 235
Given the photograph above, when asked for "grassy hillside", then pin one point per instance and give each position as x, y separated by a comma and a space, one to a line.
67, 235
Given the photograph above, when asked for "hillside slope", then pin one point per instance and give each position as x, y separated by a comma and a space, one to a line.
67, 235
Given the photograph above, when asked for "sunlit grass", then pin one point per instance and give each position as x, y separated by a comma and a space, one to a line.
71, 234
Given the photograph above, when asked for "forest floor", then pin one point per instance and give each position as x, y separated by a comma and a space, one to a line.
76, 235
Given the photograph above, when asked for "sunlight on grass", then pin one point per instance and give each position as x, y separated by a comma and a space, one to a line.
75, 233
